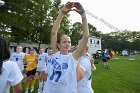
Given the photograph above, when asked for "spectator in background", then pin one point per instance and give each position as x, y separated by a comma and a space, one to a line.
135, 52
125, 53
117, 53
113, 53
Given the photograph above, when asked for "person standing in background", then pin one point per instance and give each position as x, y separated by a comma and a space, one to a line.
31, 61
18, 57
104, 60
41, 67
86, 64
50, 52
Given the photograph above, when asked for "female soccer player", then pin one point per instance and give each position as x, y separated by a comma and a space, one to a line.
31, 61
85, 73
61, 69
41, 67
18, 57
10, 74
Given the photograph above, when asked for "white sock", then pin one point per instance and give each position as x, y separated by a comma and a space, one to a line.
40, 85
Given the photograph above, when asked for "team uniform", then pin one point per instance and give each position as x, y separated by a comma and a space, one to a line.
107, 55
11, 75
103, 57
31, 61
61, 70
48, 58
41, 66
84, 85
18, 58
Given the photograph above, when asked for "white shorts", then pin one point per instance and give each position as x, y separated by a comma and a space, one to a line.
41, 69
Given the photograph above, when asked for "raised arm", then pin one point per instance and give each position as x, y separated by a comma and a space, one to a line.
66, 8
83, 42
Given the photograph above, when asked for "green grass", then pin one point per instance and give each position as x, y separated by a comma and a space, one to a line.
122, 77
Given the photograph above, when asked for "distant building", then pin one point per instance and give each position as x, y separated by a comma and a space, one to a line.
94, 44
27, 46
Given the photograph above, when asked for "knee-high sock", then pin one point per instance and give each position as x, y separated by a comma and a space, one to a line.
32, 83
27, 86
40, 85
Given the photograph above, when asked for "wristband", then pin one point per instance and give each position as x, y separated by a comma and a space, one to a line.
83, 15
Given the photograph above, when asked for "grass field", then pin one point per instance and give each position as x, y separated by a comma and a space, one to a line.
123, 76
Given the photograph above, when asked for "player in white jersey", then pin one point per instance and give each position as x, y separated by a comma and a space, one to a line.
61, 69
18, 57
49, 52
10, 74
86, 67
41, 67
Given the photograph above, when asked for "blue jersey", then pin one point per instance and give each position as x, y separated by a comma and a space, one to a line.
103, 55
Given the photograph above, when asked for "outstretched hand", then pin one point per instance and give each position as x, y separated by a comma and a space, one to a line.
79, 8
70, 5
67, 7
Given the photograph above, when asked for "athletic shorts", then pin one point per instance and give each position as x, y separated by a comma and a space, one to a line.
41, 69
32, 72
125, 55
104, 60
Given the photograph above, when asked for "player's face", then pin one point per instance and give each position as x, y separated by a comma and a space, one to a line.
18, 49
41, 50
65, 44
32, 52
50, 52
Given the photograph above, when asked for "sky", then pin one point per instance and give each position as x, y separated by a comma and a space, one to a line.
110, 15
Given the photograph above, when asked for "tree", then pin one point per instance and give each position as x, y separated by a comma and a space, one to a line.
93, 31
30, 20
121, 40
76, 33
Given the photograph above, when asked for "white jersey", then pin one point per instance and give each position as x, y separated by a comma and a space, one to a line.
84, 85
41, 62
11, 75
48, 57
61, 70
18, 58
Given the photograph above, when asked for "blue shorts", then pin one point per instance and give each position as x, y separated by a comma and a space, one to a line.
104, 60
